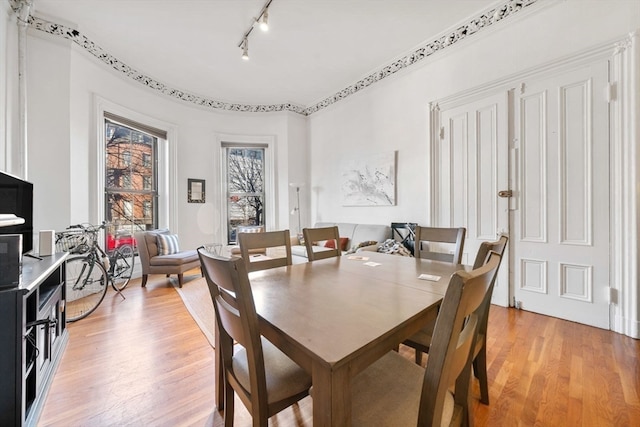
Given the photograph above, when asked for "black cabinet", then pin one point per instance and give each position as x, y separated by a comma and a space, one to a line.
33, 336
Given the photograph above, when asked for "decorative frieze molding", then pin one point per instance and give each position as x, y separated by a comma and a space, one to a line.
92, 48
452, 37
476, 24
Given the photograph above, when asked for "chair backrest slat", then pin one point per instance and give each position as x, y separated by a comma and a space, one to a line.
320, 234
230, 320
427, 236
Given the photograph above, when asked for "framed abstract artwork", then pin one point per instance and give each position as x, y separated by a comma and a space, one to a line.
369, 180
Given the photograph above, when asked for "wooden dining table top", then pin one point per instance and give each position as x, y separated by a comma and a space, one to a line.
336, 316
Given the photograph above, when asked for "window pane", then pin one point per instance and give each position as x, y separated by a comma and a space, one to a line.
131, 192
245, 188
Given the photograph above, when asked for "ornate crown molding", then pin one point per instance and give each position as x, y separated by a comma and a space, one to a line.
478, 23
625, 44
92, 48
481, 21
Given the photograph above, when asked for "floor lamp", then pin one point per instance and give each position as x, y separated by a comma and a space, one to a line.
295, 210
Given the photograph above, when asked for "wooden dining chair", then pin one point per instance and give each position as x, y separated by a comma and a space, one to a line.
266, 380
279, 241
427, 238
421, 341
394, 391
429, 242
322, 234
480, 350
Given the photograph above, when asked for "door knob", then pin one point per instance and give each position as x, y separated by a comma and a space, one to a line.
505, 193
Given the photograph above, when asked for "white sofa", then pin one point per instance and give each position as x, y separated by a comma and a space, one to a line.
356, 233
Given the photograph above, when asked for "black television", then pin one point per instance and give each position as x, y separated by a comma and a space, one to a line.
16, 197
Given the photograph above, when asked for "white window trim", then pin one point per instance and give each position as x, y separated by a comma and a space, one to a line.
167, 164
270, 190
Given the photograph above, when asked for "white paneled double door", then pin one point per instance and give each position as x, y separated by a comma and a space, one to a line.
547, 142
561, 224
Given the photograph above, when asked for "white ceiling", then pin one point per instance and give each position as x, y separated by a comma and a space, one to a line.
313, 49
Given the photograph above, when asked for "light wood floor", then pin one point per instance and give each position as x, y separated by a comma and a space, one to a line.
144, 362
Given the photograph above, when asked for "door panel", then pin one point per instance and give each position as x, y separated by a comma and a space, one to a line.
470, 167
561, 228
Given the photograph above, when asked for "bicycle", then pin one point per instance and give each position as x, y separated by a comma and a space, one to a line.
89, 273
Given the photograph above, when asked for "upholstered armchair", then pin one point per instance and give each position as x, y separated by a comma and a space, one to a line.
159, 254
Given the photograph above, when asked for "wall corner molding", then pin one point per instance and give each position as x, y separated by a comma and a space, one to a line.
625, 166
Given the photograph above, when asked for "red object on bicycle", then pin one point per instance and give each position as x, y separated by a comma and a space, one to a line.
114, 242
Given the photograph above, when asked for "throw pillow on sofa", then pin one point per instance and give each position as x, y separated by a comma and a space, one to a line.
167, 244
343, 243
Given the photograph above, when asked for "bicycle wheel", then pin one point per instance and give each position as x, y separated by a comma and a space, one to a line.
122, 266
86, 286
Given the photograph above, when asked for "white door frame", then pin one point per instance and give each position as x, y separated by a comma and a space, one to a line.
624, 120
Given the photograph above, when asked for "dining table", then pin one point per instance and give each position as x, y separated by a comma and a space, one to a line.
336, 316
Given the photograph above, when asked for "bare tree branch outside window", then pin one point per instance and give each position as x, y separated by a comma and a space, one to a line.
245, 188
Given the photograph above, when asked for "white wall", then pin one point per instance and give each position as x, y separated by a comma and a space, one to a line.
393, 114
9, 155
64, 84
51, 163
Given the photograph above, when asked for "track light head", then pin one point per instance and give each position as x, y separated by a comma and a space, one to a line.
264, 21
245, 49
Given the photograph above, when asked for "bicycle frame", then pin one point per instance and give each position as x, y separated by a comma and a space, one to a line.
84, 267
97, 254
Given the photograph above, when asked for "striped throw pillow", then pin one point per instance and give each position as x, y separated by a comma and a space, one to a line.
168, 244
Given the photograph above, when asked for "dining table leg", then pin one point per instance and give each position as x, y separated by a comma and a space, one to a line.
331, 395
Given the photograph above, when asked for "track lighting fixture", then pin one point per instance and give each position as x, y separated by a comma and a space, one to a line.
262, 21
245, 49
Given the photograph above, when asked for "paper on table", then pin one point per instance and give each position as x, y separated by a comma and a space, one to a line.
358, 257
430, 277
372, 264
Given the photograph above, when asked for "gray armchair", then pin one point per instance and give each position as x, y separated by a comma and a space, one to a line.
154, 263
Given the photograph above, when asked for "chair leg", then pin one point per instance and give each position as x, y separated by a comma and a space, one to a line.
228, 406
144, 280
180, 280
480, 372
418, 357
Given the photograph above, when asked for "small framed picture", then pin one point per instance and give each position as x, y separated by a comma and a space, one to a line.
195, 192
